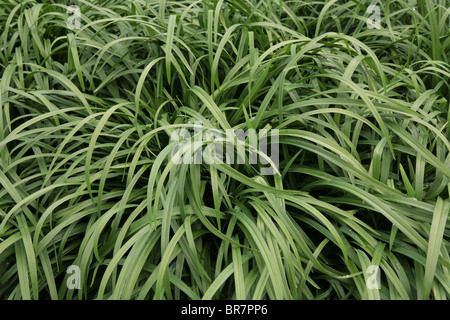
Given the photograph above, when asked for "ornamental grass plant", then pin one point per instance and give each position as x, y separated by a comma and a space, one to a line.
91, 92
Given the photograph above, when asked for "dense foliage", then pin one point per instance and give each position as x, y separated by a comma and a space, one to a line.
86, 176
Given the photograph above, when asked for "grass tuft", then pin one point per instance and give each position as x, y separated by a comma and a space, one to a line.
86, 176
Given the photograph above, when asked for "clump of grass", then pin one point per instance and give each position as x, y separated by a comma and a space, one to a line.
86, 177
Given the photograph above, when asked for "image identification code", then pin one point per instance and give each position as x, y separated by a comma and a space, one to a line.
230, 309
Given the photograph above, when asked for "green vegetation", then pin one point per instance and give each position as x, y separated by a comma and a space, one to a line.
86, 176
